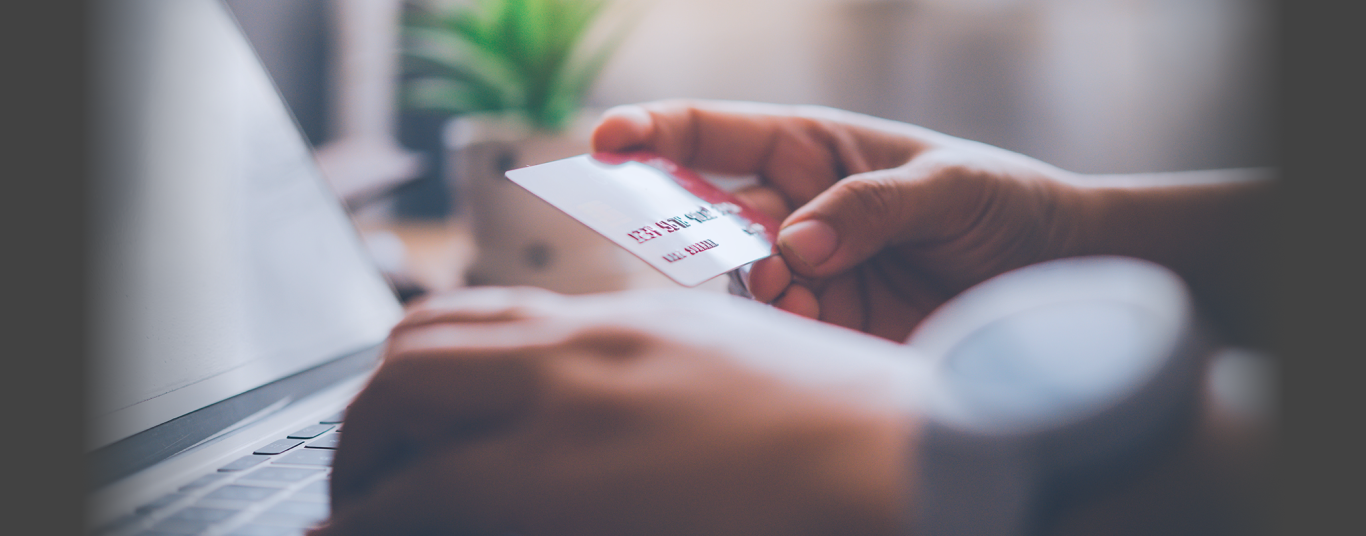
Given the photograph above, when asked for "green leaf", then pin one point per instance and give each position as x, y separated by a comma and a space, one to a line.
578, 77
531, 56
455, 57
451, 96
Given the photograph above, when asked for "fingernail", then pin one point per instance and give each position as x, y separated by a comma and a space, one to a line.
634, 113
811, 242
629, 125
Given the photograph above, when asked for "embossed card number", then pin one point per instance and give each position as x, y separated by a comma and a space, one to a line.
666, 214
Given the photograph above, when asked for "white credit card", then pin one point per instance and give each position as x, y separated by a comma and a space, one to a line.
663, 213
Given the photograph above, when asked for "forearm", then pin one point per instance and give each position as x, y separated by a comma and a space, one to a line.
1211, 227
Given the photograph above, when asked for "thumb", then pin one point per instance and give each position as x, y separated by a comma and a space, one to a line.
861, 215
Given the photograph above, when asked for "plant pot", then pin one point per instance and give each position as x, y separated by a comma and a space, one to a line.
518, 238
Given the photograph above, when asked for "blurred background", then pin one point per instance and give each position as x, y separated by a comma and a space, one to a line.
1088, 85
1097, 86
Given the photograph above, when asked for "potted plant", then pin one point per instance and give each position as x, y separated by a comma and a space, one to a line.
515, 74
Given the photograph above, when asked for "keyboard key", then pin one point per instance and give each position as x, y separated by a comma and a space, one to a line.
236, 492
328, 441
293, 514
310, 432
315, 510
180, 526
318, 489
279, 474
309, 498
203, 481
308, 457
335, 418
266, 530
244, 463
278, 446
314, 492
207, 515
237, 505
161, 502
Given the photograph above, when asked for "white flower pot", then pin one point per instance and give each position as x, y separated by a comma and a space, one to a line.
520, 239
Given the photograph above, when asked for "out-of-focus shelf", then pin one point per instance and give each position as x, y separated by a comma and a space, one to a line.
436, 251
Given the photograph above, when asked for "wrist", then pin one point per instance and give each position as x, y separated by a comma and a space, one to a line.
1210, 227
1078, 217
1168, 218
1108, 219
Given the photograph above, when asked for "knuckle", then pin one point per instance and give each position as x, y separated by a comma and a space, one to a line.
611, 342
946, 165
672, 105
952, 176
955, 170
875, 195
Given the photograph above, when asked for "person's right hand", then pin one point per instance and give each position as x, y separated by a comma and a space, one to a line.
882, 221
503, 411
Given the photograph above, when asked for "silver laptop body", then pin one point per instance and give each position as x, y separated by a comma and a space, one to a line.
234, 304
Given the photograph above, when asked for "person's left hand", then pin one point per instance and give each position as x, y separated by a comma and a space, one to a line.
519, 411
882, 221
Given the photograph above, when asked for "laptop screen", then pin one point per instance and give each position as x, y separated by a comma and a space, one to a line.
223, 261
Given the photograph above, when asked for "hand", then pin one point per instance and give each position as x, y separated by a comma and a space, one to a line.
882, 221
501, 411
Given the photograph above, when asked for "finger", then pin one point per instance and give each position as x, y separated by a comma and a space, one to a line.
799, 300
437, 382
768, 278
862, 215
724, 137
480, 304
901, 298
370, 447
415, 500
623, 128
799, 149
473, 484
766, 199
843, 301
487, 486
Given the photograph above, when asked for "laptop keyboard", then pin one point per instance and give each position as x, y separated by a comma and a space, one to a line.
279, 489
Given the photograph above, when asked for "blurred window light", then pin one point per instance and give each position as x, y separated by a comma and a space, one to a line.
1094, 86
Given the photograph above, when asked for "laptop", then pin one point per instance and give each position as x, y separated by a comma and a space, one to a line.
235, 309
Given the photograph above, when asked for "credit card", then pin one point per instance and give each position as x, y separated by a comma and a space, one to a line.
666, 214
